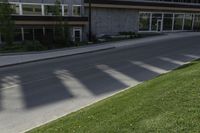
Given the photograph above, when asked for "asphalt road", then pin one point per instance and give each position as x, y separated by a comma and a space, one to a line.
35, 93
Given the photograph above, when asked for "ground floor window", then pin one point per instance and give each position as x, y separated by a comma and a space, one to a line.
18, 35
188, 22
197, 23
178, 21
28, 34
144, 21
167, 21
42, 34
156, 21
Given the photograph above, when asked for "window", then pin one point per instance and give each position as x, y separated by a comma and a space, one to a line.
144, 21
188, 22
178, 21
66, 10
38, 34
76, 10
48, 10
18, 35
28, 34
197, 23
32, 9
15, 8
167, 22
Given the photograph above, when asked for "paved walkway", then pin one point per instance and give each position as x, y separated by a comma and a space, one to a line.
12, 59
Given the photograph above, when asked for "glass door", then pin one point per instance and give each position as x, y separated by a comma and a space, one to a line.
156, 22
159, 25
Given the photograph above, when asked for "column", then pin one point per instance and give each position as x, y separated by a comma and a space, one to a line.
22, 29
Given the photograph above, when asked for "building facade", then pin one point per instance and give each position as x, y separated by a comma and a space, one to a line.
34, 18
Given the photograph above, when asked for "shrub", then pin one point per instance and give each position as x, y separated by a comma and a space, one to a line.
33, 46
47, 41
130, 34
23, 47
12, 48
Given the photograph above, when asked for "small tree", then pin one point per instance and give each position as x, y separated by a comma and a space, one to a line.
61, 28
7, 26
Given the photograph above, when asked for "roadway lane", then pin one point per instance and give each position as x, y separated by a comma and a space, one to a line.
35, 93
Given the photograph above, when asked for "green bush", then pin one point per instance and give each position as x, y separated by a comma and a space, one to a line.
12, 48
23, 47
130, 34
33, 46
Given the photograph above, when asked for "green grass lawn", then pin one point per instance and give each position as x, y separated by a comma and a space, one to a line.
167, 104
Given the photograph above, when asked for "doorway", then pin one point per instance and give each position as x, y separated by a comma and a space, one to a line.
77, 34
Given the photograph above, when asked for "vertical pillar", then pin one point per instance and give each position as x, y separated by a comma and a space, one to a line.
42, 6
44, 32
183, 22
0, 39
193, 20
150, 22
63, 10
173, 22
20, 9
90, 21
33, 34
22, 30
162, 22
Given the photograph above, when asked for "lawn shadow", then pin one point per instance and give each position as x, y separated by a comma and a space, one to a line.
97, 81
40, 93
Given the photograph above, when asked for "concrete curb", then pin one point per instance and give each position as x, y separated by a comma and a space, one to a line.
54, 57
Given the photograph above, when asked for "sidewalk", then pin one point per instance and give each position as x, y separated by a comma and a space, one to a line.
14, 59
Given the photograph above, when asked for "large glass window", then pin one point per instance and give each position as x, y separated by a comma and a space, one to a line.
156, 21
32, 9
76, 10
28, 34
197, 23
188, 22
178, 21
38, 34
15, 8
167, 22
18, 35
144, 21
